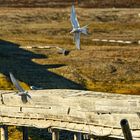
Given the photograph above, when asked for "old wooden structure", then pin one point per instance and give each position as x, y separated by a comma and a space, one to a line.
94, 113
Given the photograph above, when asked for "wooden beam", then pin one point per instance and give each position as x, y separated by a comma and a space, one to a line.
80, 111
4, 132
55, 134
25, 133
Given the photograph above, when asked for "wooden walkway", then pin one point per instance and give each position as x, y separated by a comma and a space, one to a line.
94, 113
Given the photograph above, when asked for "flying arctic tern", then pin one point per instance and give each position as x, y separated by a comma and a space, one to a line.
77, 30
24, 94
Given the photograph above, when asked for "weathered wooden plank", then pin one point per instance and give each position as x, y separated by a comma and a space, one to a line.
93, 130
78, 116
39, 99
43, 96
81, 102
73, 110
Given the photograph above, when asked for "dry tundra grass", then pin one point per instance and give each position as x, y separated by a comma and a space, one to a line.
66, 3
98, 66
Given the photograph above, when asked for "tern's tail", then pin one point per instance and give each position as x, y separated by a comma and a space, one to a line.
84, 30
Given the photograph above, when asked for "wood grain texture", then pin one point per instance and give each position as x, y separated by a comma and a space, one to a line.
90, 112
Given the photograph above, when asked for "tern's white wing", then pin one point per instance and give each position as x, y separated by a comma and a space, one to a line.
16, 84
77, 39
73, 18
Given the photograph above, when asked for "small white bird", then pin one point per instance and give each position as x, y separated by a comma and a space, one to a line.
24, 94
76, 28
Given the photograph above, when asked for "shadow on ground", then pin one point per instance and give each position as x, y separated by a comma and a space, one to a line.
19, 62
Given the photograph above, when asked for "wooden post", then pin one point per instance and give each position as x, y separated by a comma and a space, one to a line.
4, 132
77, 136
25, 133
126, 130
55, 134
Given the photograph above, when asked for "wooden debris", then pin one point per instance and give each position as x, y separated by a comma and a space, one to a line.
126, 130
94, 113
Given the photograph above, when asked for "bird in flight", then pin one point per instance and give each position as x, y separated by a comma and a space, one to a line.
21, 92
77, 30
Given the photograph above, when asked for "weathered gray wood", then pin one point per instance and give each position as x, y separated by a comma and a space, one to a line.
90, 112
4, 132
55, 134
25, 133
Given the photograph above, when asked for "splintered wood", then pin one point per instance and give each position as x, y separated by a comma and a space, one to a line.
95, 113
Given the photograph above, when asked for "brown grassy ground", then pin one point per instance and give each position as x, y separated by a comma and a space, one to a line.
98, 66
65, 3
